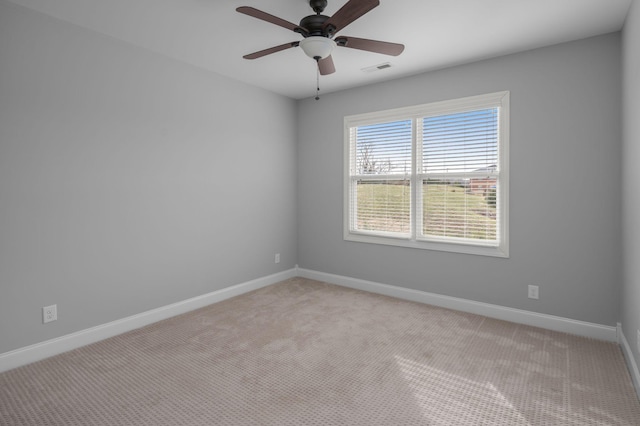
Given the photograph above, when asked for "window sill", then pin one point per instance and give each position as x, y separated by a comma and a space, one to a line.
500, 251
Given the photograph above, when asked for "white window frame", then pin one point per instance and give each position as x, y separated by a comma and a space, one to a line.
498, 100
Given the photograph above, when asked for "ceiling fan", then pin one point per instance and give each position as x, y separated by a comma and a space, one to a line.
318, 32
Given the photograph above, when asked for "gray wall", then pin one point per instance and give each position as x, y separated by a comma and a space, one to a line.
129, 181
631, 176
565, 203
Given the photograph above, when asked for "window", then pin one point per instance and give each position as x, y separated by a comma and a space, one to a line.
432, 176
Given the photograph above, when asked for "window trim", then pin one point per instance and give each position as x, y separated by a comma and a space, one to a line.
491, 100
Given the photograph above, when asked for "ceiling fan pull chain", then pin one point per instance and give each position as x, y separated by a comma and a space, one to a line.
317, 80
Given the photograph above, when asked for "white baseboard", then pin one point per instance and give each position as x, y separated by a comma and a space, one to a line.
38, 351
550, 322
631, 361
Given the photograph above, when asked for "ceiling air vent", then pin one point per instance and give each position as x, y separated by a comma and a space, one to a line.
377, 67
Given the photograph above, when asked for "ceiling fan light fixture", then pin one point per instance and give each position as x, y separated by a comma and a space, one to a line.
317, 47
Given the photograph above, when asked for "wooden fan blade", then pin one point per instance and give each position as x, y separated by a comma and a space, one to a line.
266, 17
326, 66
271, 50
384, 47
348, 13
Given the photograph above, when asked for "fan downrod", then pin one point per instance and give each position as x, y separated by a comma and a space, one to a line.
318, 5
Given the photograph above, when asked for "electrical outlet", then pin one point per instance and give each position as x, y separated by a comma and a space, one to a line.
533, 292
49, 313
277, 258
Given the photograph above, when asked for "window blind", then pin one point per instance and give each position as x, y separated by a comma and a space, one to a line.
460, 175
382, 179
384, 148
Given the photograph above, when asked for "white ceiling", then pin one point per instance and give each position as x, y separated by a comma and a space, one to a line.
437, 33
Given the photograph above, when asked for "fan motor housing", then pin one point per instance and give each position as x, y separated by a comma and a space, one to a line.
314, 24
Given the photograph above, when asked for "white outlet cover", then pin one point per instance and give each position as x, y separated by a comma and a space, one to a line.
49, 313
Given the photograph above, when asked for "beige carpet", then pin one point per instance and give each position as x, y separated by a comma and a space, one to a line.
308, 353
